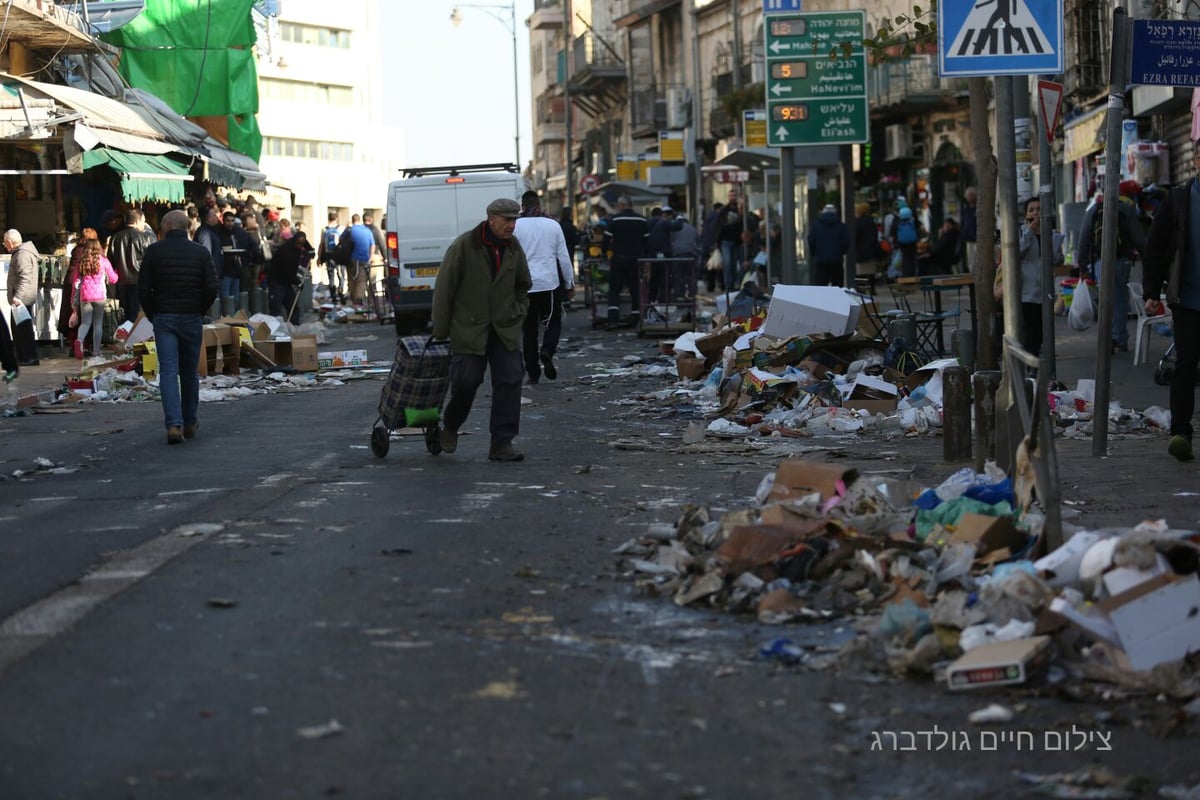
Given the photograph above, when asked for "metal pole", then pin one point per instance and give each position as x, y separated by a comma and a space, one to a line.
1047, 364
512, 20
787, 186
569, 192
1118, 68
1008, 430
850, 268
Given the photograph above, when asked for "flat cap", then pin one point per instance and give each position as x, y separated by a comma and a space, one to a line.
504, 207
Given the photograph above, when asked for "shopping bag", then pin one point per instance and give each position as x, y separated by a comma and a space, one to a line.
20, 314
1082, 313
73, 322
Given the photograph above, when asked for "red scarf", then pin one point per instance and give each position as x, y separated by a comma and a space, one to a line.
495, 247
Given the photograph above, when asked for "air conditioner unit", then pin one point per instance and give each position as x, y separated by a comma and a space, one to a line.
897, 142
679, 107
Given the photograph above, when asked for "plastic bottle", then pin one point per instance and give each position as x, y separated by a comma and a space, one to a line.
12, 393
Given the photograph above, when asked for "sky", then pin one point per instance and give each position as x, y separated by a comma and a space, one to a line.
450, 88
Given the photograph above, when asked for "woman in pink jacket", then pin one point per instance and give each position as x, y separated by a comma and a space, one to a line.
94, 271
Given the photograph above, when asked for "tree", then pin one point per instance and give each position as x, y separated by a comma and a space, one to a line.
900, 37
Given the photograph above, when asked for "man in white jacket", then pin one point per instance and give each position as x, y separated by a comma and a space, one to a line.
553, 274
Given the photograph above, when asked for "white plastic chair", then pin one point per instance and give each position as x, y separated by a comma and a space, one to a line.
1141, 346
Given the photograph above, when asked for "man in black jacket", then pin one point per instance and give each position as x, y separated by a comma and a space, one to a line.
626, 234
126, 248
283, 276
176, 285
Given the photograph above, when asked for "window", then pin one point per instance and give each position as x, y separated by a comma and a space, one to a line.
312, 35
308, 148
308, 93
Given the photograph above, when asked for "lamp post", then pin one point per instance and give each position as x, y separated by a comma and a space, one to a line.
511, 25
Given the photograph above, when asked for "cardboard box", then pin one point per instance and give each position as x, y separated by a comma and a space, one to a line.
885, 407
298, 352
221, 351
341, 358
988, 533
998, 663
714, 344
799, 310
1157, 621
798, 478
688, 366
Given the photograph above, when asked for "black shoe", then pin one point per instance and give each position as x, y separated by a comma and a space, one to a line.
1120, 348
505, 452
548, 366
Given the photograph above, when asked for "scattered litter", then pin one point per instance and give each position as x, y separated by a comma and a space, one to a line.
331, 728
991, 714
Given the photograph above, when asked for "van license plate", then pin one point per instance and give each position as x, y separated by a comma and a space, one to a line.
425, 272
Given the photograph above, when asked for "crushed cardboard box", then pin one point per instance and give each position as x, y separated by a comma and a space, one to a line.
800, 310
999, 663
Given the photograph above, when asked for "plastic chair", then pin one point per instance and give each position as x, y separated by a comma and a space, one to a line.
1141, 345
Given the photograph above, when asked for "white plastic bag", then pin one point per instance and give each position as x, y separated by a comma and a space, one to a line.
19, 314
1082, 313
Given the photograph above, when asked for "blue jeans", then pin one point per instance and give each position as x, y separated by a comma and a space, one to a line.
178, 339
731, 252
1120, 323
231, 287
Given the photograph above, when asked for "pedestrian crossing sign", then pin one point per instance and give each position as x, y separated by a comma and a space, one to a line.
1000, 37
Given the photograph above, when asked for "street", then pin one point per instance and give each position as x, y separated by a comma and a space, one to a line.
269, 611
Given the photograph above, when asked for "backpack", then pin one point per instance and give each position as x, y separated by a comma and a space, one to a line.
1123, 250
906, 231
331, 238
342, 250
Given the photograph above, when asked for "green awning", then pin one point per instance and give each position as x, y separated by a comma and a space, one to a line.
143, 177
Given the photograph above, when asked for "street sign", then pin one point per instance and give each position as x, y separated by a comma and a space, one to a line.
1050, 97
816, 91
780, 6
721, 173
589, 184
1165, 52
754, 127
1011, 37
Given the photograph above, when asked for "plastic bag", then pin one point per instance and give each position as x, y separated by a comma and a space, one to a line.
1082, 313
715, 262
20, 314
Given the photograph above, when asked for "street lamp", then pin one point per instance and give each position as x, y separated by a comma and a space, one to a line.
511, 25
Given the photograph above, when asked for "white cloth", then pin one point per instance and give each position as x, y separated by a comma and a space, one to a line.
546, 251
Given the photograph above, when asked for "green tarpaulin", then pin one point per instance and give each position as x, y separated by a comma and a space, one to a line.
143, 177
199, 58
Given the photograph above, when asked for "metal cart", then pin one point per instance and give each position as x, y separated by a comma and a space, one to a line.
413, 393
666, 296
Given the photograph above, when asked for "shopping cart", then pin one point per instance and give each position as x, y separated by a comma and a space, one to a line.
413, 393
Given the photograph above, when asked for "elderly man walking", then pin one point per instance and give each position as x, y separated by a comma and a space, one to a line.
176, 286
22, 293
479, 304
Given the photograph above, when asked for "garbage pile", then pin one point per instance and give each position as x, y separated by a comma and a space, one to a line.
955, 582
810, 367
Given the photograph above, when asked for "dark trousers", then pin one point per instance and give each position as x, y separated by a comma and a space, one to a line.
130, 305
544, 308
466, 376
622, 274
1183, 383
8, 354
282, 298
24, 338
827, 274
1031, 328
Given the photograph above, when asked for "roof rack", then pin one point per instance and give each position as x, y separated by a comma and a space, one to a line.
416, 172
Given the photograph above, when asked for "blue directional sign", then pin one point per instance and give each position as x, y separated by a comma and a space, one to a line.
1000, 37
781, 6
1166, 52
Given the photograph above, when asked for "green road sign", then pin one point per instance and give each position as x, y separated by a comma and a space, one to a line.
816, 92
827, 121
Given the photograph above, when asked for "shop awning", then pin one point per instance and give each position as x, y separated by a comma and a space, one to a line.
143, 176
639, 192
99, 119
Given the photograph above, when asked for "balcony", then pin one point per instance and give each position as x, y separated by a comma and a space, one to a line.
647, 113
550, 132
910, 86
547, 15
597, 78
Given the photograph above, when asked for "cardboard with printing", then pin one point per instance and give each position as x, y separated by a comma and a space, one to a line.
341, 358
999, 663
987, 533
800, 310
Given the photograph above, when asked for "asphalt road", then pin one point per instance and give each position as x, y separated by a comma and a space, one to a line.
269, 611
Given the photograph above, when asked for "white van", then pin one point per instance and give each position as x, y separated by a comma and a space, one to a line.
426, 210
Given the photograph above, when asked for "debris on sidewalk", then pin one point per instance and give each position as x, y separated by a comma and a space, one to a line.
951, 582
